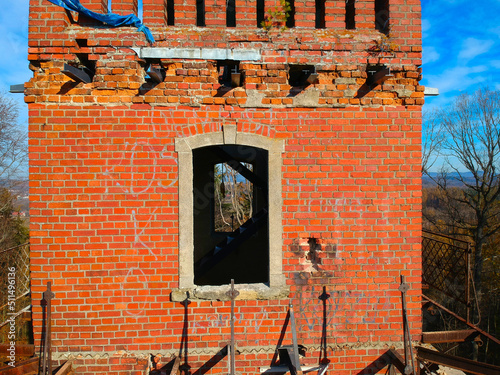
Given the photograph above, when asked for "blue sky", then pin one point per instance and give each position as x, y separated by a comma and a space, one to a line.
461, 42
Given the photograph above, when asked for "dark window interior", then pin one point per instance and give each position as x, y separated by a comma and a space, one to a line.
382, 16
200, 12
320, 14
231, 13
241, 252
350, 14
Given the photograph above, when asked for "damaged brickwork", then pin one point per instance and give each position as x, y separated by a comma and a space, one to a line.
106, 185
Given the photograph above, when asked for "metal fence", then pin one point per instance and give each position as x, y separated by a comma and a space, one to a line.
14, 283
446, 269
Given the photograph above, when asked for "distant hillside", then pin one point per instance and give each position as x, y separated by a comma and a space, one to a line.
20, 189
453, 180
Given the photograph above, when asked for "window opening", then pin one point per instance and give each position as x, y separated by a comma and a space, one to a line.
382, 16
200, 12
229, 74
301, 75
350, 14
222, 253
233, 203
290, 22
170, 13
231, 13
320, 14
260, 12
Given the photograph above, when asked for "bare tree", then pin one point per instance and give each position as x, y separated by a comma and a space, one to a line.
13, 171
471, 151
432, 139
13, 142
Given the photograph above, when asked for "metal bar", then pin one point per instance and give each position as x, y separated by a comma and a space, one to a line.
21, 296
484, 333
175, 366
298, 370
77, 74
13, 248
47, 350
463, 364
22, 350
397, 360
232, 293
442, 235
449, 336
409, 369
467, 281
27, 308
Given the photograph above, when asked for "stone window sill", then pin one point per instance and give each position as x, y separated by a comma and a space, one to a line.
218, 293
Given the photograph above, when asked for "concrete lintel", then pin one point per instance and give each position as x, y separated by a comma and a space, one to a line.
239, 54
431, 91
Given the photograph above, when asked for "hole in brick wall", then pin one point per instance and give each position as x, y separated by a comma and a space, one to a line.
154, 72
200, 12
88, 66
320, 14
290, 22
231, 13
260, 12
229, 73
382, 16
312, 256
350, 14
170, 13
81, 43
298, 75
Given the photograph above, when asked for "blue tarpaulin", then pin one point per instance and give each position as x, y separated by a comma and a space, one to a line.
111, 19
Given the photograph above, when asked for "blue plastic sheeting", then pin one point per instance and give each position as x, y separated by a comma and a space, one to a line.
110, 19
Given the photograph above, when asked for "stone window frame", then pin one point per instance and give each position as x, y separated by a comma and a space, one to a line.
184, 146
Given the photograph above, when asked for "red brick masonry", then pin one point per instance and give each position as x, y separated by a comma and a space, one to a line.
104, 184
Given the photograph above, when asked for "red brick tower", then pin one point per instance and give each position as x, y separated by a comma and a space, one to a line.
322, 119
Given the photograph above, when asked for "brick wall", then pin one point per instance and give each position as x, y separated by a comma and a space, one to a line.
104, 186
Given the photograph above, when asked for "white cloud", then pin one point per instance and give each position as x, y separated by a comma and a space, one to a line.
459, 78
472, 47
430, 54
426, 25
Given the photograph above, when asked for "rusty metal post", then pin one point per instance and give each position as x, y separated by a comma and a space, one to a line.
467, 281
409, 369
298, 370
232, 293
47, 350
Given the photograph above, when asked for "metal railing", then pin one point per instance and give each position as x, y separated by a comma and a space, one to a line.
446, 267
15, 283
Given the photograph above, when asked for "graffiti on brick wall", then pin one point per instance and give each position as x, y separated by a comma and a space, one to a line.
341, 308
201, 324
135, 281
140, 168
